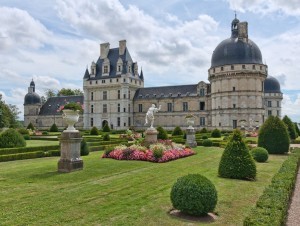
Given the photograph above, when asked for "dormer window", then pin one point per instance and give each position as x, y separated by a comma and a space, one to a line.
244, 66
222, 68
119, 68
105, 69
232, 67
129, 69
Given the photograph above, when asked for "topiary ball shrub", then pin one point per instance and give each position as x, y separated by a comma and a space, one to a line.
259, 154
273, 136
26, 137
207, 143
194, 194
162, 134
177, 131
236, 161
106, 137
30, 126
11, 139
84, 148
106, 128
94, 131
216, 133
53, 128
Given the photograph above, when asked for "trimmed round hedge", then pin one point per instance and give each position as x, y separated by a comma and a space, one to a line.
207, 143
259, 154
162, 133
11, 139
94, 131
84, 149
53, 128
216, 133
273, 136
194, 194
177, 131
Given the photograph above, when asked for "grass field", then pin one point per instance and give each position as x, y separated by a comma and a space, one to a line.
111, 192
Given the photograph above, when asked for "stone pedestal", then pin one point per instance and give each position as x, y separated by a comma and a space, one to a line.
70, 152
151, 135
190, 137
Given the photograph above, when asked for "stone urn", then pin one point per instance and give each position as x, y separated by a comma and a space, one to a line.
70, 117
190, 121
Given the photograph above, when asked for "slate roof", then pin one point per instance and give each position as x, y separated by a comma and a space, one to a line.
165, 91
271, 85
113, 56
52, 105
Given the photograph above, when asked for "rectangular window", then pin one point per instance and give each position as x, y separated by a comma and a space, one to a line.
232, 67
253, 67
119, 94
234, 124
269, 112
124, 109
222, 68
124, 95
233, 88
243, 66
104, 108
170, 107
185, 106
119, 121
234, 105
119, 68
278, 104
92, 108
92, 122
202, 92
105, 69
278, 113
140, 108
129, 121
119, 108
129, 94
103, 81
202, 106
92, 95
202, 121
269, 103
104, 95
128, 107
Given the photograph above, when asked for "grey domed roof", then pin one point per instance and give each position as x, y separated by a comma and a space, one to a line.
32, 98
235, 50
271, 85
32, 83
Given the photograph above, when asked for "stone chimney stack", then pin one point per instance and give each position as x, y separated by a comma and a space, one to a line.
122, 47
104, 49
243, 31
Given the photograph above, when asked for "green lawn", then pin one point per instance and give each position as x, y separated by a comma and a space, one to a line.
36, 143
111, 192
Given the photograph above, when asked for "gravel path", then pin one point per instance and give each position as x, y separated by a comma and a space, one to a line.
293, 218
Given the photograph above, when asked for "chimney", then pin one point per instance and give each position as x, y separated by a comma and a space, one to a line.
122, 47
104, 49
243, 31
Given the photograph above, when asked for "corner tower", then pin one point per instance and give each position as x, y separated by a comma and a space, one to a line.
237, 76
32, 105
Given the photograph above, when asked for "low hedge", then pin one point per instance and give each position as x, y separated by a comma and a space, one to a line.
7, 151
44, 138
19, 156
101, 147
272, 207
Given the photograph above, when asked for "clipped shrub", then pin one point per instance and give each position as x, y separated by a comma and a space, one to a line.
158, 153
30, 126
94, 131
273, 136
236, 161
259, 154
106, 137
84, 149
290, 126
45, 133
203, 130
177, 131
204, 137
184, 136
11, 138
162, 134
194, 194
207, 143
106, 128
26, 137
53, 128
216, 133
23, 131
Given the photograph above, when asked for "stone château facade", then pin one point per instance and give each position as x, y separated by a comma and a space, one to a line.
239, 89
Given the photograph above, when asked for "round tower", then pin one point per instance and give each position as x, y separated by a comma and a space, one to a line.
237, 76
32, 105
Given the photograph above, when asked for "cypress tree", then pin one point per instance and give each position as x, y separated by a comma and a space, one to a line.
290, 126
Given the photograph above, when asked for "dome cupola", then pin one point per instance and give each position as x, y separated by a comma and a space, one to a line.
32, 97
271, 85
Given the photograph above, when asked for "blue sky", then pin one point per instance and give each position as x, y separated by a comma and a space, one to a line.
54, 41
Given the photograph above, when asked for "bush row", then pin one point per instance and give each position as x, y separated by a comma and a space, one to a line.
43, 138
28, 155
7, 151
101, 147
271, 208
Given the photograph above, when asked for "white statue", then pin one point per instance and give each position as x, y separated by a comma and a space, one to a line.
150, 114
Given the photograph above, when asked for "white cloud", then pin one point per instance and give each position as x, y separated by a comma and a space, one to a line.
291, 108
288, 7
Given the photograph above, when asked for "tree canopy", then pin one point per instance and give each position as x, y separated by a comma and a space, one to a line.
8, 114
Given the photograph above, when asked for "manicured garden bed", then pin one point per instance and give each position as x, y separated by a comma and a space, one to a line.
111, 192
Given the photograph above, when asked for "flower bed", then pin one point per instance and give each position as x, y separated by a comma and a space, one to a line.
162, 151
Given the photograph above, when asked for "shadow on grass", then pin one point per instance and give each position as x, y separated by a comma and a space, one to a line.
209, 218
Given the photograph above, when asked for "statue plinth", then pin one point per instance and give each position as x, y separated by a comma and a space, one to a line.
70, 152
190, 137
151, 135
